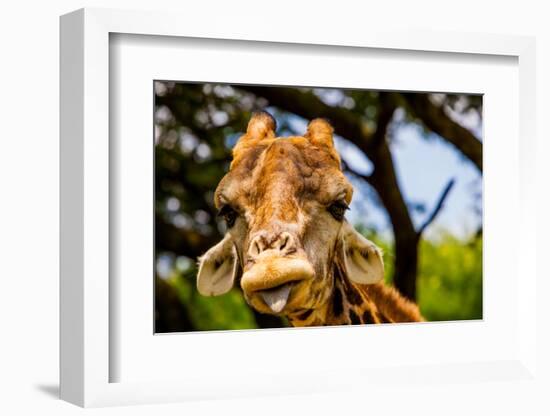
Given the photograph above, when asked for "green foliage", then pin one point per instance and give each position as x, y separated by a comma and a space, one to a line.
228, 311
449, 284
450, 279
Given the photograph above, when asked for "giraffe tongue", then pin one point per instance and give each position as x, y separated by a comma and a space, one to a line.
276, 298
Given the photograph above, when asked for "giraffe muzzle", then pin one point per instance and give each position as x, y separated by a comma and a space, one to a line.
269, 283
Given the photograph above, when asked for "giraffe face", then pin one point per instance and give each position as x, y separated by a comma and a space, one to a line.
283, 201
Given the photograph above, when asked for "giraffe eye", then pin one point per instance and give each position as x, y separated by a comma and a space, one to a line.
338, 209
229, 215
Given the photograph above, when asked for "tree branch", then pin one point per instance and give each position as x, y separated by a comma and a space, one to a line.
435, 119
353, 172
437, 208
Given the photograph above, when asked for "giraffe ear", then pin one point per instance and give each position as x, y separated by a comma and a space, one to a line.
218, 269
362, 258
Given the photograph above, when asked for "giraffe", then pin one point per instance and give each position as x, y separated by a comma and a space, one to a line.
288, 244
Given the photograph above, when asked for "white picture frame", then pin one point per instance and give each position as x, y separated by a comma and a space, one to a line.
86, 356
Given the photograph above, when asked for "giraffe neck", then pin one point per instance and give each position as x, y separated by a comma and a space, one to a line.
348, 304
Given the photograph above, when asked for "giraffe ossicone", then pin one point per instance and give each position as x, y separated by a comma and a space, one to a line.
288, 244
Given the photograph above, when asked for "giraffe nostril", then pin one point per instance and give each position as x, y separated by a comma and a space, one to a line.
291, 250
284, 243
256, 248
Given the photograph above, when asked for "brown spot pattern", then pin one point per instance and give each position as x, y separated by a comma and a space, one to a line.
337, 302
354, 318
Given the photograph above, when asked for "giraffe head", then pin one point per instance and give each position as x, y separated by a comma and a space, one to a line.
284, 201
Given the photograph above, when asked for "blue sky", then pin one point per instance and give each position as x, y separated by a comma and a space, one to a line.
424, 166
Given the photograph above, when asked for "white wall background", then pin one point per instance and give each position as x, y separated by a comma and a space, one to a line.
29, 56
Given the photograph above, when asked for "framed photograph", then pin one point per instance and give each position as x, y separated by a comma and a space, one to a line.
297, 226
282, 213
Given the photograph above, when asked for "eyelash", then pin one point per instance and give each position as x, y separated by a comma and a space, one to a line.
338, 209
229, 215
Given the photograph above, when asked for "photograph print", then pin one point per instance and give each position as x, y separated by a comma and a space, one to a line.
281, 206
